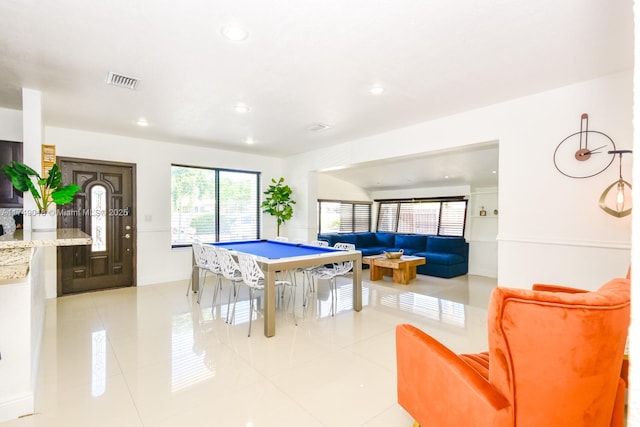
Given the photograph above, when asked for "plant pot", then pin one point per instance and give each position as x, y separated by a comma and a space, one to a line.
44, 222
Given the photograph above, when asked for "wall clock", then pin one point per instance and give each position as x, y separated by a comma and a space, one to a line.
584, 154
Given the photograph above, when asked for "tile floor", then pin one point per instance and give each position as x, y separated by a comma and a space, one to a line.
151, 356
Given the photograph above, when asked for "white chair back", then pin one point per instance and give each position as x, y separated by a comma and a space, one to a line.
252, 274
344, 267
345, 246
228, 266
210, 255
198, 255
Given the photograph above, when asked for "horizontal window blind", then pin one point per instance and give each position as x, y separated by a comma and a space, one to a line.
336, 216
388, 216
439, 217
212, 205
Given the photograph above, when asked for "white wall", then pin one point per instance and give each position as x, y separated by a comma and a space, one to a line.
156, 261
10, 125
331, 188
550, 226
482, 232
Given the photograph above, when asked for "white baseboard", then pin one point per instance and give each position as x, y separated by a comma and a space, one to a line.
15, 408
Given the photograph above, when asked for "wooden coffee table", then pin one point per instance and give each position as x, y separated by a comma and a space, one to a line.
402, 269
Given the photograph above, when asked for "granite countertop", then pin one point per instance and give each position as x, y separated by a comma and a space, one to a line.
16, 248
31, 239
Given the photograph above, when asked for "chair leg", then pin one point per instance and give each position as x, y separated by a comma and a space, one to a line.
236, 291
293, 305
306, 287
216, 290
201, 286
250, 309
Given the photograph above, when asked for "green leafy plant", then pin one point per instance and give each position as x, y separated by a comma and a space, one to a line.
45, 191
278, 202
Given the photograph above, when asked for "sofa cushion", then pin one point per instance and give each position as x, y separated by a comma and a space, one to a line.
446, 244
366, 240
443, 258
415, 242
386, 239
373, 250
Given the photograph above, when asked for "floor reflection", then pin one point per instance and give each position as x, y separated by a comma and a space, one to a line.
98, 362
159, 358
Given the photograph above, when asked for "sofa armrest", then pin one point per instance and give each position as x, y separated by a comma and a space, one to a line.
436, 387
556, 288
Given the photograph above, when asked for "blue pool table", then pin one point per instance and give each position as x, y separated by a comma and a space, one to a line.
278, 256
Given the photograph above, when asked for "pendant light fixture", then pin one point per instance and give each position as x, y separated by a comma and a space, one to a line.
622, 192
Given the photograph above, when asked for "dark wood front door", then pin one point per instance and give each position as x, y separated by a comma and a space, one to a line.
103, 208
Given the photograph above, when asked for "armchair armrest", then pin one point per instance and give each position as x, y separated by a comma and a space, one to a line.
438, 388
556, 288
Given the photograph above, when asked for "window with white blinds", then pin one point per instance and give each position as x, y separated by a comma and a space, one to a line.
338, 216
439, 217
213, 205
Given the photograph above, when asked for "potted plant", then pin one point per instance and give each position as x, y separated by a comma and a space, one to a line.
278, 202
46, 192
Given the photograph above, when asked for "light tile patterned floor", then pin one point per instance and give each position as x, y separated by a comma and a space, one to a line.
151, 356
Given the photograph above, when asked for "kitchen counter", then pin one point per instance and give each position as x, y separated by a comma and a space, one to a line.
16, 248
22, 311
31, 239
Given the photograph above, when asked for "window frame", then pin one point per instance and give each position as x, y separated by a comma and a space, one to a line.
354, 204
440, 200
258, 176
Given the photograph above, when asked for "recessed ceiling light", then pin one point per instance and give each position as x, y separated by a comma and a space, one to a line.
494, 171
142, 122
250, 141
446, 177
376, 90
241, 108
234, 33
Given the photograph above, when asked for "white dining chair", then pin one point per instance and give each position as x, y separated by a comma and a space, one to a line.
230, 271
253, 277
336, 270
199, 264
307, 273
210, 254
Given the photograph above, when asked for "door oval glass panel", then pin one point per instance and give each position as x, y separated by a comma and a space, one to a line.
98, 218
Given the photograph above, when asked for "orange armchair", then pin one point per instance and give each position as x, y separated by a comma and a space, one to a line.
554, 360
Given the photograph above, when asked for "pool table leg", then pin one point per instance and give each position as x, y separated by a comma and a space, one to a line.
357, 284
269, 303
195, 274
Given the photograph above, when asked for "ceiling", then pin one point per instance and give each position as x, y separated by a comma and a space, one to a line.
304, 62
476, 166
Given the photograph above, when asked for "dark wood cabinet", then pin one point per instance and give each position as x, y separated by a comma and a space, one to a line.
9, 196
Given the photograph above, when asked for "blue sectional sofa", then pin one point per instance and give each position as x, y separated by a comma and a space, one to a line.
447, 256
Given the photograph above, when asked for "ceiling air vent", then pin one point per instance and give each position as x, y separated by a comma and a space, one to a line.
317, 127
121, 80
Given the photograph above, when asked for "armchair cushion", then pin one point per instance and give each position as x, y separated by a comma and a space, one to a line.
424, 362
